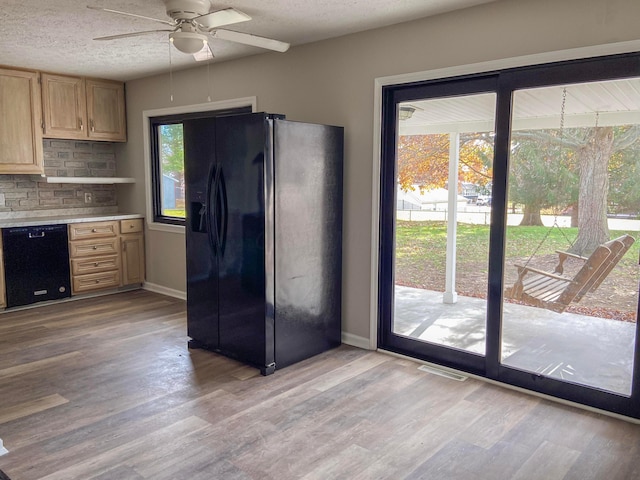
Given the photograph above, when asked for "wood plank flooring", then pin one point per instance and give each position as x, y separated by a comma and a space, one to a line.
105, 388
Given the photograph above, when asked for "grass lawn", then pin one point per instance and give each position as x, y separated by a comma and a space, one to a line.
425, 242
180, 213
421, 255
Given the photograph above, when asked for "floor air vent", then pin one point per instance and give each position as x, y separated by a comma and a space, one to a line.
443, 373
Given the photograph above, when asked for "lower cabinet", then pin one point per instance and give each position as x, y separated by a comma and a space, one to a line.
132, 251
106, 255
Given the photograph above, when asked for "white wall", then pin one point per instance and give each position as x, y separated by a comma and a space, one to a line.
333, 82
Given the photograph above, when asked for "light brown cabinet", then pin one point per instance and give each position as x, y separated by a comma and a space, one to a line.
106, 255
83, 109
106, 111
20, 123
94, 253
65, 106
132, 251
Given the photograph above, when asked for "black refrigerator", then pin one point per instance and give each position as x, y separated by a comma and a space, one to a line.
263, 237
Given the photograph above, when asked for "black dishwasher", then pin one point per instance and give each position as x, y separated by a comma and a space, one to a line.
36, 264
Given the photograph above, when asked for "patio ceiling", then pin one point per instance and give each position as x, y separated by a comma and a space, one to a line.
614, 102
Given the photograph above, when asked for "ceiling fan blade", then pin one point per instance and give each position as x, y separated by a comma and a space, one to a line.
253, 40
221, 17
132, 34
166, 22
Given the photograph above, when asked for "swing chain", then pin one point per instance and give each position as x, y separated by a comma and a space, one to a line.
555, 218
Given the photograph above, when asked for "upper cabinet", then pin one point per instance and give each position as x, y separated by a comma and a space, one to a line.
20, 119
83, 109
106, 111
65, 107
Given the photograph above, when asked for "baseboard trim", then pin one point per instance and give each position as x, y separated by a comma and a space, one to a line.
3, 451
356, 341
347, 338
170, 292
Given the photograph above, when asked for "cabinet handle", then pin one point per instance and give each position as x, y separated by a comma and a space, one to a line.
93, 129
95, 247
93, 230
81, 124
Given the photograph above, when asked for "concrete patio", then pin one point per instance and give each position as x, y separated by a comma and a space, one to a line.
591, 351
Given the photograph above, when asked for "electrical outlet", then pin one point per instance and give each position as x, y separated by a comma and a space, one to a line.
88, 198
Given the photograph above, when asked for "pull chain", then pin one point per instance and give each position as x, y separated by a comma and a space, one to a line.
170, 74
209, 60
208, 82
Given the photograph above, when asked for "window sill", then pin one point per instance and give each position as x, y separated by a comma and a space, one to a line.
166, 227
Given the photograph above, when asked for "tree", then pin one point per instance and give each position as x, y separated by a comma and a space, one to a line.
423, 160
593, 162
624, 172
593, 148
171, 144
540, 176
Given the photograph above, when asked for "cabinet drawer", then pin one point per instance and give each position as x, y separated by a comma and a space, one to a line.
80, 266
79, 231
95, 281
90, 248
131, 226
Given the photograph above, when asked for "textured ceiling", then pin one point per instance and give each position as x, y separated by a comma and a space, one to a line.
56, 35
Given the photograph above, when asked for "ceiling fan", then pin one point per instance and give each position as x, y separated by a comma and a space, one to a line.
192, 26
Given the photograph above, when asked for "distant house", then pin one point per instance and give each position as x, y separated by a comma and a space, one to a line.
435, 199
169, 187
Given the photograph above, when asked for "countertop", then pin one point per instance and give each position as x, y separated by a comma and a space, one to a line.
64, 219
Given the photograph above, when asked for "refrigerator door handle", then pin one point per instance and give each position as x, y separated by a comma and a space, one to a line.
224, 213
210, 209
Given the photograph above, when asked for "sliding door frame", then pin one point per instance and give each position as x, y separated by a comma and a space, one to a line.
392, 96
504, 83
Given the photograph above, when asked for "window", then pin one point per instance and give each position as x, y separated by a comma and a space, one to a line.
167, 163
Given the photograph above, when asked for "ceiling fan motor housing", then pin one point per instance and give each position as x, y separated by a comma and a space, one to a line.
187, 9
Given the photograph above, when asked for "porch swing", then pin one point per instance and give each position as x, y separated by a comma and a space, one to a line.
555, 291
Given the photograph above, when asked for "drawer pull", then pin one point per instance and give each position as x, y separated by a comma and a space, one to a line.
93, 230
95, 247
96, 264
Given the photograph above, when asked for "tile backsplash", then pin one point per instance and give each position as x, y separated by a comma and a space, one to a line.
32, 195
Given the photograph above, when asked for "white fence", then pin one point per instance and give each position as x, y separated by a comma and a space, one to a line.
482, 216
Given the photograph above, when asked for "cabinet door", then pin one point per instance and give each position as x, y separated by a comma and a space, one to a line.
20, 123
64, 107
132, 258
106, 110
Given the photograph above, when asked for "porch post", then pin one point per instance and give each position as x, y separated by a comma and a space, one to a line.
450, 295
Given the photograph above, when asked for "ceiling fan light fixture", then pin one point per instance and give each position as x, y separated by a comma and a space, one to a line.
188, 42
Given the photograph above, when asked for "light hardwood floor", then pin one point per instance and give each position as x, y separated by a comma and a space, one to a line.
105, 388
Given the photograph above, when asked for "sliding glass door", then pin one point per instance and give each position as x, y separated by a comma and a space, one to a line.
509, 219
